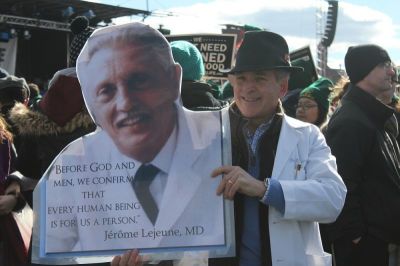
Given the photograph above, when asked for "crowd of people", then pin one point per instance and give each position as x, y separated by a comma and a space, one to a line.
325, 181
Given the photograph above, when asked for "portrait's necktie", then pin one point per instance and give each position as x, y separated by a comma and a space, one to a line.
141, 184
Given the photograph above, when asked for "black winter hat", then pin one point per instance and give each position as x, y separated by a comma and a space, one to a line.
80, 28
361, 59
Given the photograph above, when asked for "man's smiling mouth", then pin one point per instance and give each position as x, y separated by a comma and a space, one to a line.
133, 119
250, 99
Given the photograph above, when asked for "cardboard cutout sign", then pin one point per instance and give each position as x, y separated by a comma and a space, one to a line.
142, 179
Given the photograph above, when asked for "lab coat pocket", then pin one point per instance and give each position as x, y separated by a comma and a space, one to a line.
297, 169
299, 172
296, 163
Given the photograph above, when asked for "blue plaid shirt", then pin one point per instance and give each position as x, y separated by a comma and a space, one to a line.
250, 248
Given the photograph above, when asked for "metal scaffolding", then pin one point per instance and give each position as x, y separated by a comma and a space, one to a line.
34, 23
325, 33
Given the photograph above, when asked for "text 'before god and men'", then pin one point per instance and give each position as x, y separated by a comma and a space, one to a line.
81, 179
93, 167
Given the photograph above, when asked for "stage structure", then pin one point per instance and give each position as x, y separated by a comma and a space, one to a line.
326, 34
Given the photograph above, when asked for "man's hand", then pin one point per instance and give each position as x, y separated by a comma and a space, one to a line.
130, 258
238, 180
7, 203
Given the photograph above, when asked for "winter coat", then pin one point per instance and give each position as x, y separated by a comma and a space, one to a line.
198, 96
41, 139
362, 135
13, 251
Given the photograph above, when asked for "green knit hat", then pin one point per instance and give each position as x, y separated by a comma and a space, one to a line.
248, 27
319, 91
190, 59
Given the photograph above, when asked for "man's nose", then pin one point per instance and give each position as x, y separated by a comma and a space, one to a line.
391, 70
125, 99
299, 110
250, 86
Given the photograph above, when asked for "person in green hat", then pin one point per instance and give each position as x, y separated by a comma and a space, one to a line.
313, 104
196, 95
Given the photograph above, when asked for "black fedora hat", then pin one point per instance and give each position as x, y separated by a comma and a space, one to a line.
262, 50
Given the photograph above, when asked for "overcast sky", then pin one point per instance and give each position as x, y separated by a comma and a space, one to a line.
359, 21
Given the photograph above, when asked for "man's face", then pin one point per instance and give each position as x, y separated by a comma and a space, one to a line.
379, 80
257, 94
132, 98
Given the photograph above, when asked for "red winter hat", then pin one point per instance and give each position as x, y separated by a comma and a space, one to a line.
63, 100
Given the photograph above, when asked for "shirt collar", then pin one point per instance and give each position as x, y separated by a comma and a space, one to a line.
253, 138
164, 158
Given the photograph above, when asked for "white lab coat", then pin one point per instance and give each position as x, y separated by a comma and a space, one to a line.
313, 191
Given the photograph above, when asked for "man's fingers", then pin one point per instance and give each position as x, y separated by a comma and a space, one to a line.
233, 189
130, 258
227, 180
230, 183
125, 258
115, 261
221, 170
221, 187
138, 259
134, 258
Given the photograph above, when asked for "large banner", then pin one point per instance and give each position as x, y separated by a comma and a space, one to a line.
8, 55
217, 51
142, 180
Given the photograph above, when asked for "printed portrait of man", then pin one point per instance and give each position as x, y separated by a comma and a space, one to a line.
143, 178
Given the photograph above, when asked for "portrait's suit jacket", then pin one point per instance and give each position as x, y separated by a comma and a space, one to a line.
190, 212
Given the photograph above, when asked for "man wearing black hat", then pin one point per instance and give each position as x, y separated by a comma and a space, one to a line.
362, 135
283, 179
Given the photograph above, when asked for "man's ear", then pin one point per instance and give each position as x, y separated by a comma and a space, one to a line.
232, 79
284, 85
26, 101
177, 79
178, 72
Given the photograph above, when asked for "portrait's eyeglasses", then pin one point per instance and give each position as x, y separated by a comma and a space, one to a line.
305, 107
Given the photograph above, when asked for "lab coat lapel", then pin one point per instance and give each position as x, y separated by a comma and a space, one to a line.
288, 139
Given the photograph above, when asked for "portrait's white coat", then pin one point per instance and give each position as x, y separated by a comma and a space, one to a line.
189, 197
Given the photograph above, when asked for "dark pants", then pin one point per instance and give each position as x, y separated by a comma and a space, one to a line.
370, 251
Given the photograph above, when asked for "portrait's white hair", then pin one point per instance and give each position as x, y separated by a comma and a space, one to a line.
134, 34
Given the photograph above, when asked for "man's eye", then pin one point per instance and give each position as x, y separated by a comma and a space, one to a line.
106, 92
259, 79
138, 81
